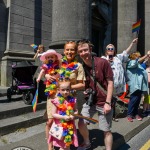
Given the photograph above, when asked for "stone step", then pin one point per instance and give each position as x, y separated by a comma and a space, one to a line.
9, 125
3, 91
17, 108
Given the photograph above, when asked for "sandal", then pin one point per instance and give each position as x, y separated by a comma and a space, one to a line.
84, 146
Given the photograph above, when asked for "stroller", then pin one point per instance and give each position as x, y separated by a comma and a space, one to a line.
22, 81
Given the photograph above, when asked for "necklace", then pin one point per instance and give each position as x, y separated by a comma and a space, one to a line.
65, 107
51, 69
67, 68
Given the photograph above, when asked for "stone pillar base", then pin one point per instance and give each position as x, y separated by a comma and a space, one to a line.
6, 72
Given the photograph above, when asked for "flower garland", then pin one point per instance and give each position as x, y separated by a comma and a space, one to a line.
67, 68
66, 109
51, 69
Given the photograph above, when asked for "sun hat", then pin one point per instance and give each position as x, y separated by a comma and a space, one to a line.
50, 52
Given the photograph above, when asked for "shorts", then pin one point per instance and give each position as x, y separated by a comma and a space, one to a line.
105, 120
49, 108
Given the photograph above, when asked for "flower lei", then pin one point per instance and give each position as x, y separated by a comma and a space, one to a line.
51, 87
66, 109
67, 68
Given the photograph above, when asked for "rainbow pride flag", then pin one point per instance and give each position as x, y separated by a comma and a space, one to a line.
35, 101
33, 46
136, 26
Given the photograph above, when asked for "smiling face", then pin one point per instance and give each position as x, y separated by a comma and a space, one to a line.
64, 89
70, 51
84, 51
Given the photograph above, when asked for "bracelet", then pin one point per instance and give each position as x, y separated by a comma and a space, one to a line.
108, 103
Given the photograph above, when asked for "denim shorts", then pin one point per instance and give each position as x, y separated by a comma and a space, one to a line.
105, 120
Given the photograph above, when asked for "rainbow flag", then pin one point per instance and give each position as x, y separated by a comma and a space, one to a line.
136, 26
35, 101
33, 46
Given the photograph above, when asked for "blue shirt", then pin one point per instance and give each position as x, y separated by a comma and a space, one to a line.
138, 79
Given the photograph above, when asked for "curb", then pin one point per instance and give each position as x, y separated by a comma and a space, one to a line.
125, 138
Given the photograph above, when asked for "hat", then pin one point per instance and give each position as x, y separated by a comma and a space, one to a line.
50, 52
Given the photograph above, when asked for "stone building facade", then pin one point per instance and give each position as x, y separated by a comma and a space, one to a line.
53, 22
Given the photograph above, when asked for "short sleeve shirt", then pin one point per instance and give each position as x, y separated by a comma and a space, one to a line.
103, 73
77, 74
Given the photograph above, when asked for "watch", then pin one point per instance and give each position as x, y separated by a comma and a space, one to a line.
108, 103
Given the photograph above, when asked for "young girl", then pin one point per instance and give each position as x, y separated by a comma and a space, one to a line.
51, 64
62, 110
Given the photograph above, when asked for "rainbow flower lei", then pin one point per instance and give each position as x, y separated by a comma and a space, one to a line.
51, 87
67, 68
66, 109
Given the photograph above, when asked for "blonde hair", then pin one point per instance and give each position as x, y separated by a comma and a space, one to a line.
41, 46
134, 55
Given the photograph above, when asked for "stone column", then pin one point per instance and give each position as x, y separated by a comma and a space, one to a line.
127, 15
147, 25
70, 21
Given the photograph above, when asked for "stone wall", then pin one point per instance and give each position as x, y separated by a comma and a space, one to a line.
147, 25
3, 29
29, 21
127, 15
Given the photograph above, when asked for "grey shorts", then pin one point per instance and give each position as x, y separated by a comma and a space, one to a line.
105, 120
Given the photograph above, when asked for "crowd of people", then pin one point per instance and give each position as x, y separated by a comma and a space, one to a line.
101, 78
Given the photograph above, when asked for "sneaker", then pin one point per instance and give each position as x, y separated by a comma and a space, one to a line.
138, 118
130, 119
84, 146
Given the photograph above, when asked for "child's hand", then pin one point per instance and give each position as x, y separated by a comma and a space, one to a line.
37, 80
72, 117
67, 118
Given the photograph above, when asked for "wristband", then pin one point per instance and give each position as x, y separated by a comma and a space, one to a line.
108, 103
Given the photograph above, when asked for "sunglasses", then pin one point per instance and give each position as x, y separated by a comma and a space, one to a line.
110, 49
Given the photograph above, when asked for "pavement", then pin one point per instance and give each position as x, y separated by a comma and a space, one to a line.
122, 131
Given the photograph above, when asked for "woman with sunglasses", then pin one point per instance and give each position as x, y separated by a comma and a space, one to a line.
116, 62
70, 68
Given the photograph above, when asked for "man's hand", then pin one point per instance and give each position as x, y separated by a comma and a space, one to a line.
107, 108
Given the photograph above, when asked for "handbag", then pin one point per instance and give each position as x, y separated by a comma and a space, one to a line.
56, 131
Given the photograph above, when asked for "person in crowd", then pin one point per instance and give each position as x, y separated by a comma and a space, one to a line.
116, 61
39, 51
138, 83
70, 68
146, 102
50, 65
101, 101
38, 63
63, 109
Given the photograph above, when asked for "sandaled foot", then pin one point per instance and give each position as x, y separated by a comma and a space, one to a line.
84, 146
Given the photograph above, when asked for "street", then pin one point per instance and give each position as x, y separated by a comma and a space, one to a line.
139, 142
